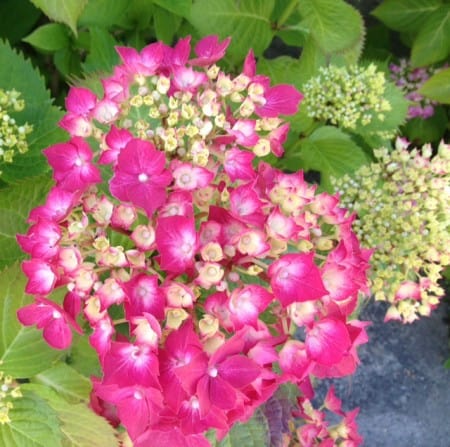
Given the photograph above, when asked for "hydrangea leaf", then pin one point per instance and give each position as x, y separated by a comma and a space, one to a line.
50, 37
66, 381
23, 352
33, 424
64, 11
431, 130
16, 201
405, 15
334, 24
102, 56
331, 152
83, 358
17, 19
437, 87
166, 24
80, 426
254, 433
103, 13
432, 43
281, 70
177, 7
18, 73
248, 23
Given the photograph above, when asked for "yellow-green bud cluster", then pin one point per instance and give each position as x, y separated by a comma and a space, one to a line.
402, 203
8, 392
12, 136
347, 96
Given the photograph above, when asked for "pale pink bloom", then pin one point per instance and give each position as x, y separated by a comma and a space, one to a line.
176, 240
188, 80
110, 292
210, 50
246, 205
144, 237
244, 132
209, 274
140, 176
41, 240
280, 226
253, 242
408, 290
277, 138
50, 317
294, 360
189, 177
210, 231
41, 276
281, 99
76, 125
146, 330
106, 111
295, 277
238, 164
69, 259
116, 87
217, 305
178, 294
144, 295
123, 216
71, 163
58, 206
80, 103
179, 203
101, 337
116, 139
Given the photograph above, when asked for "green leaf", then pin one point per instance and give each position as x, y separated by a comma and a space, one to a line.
333, 24
23, 352
66, 381
311, 59
83, 358
50, 37
405, 15
137, 16
246, 22
437, 87
281, 70
68, 62
103, 13
166, 24
15, 204
17, 18
102, 56
64, 11
80, 426
177, 7
33, 424
432, 43
331, 152
18, 73
254, 433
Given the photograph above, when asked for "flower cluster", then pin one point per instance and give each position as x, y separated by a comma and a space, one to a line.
11, 135
403, 207
347, 96
192, 264
9, 390
410, 80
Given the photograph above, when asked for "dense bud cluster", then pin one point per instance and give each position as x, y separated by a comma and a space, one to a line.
409, 80
403, 207
347, 96
191, 264
12, 135
9, 391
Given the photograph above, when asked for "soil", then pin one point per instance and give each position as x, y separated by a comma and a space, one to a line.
401, 386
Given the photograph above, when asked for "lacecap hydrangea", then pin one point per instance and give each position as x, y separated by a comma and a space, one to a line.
191, 260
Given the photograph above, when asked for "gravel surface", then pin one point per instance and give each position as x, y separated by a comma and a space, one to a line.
401, 386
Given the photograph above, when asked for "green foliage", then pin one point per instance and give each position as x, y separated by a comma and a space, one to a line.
331, 152
102, 56
16, 201
64, 11
430, 130
79, 425
19, 74
437, 87
66, 381
177, 7
254, 433
17, 18
405, 15
23, 352
246, 22
333, 24
166, 24
50, 37
33, 424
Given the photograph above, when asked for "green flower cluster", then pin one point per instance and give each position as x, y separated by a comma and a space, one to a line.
347, 97
402, 207
12, 136
8, 391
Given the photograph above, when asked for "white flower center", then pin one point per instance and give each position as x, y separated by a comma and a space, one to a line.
143, 177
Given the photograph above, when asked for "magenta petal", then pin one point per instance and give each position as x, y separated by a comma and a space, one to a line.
57, 333
239, 371
281, 99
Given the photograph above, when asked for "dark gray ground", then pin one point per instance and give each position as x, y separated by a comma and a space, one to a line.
401, 386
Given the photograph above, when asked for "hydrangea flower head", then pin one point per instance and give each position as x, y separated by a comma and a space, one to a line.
192, 239
402, 202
